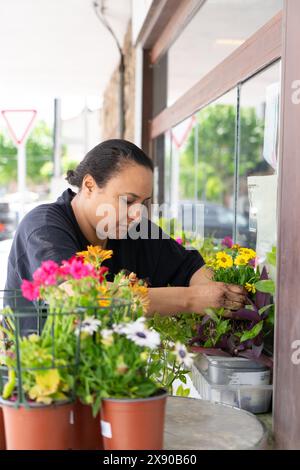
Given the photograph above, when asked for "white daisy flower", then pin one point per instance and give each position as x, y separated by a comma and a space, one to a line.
89, 325
119, 328
183, 356
124, 328
140, 335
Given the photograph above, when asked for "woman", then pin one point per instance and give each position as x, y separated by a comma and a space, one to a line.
115, 183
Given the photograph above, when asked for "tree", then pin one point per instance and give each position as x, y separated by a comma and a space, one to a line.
216, 127
39, 157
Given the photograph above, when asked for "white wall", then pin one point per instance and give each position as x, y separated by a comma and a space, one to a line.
139, 9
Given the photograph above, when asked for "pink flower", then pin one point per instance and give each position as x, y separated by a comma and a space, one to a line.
30, 290
179, 240
227, 241
46, 274
76, 268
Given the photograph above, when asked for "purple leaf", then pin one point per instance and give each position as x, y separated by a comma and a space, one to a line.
246, 314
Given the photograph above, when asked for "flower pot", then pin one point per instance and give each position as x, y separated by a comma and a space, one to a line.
39, 427
133, 424
2, 432
87, 429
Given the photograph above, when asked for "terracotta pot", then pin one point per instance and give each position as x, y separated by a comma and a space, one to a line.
87, 428
39, 428
2, 431
133, 424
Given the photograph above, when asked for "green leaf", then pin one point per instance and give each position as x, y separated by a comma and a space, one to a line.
253, 332
263, 309
267, 286
182, 392
271, 257
182, 378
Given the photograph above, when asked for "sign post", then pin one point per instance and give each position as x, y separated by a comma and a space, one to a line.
19, 123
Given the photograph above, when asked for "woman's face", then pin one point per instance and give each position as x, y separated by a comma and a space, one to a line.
112, 209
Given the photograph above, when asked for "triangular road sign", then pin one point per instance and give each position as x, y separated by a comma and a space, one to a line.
181, 132
19, 122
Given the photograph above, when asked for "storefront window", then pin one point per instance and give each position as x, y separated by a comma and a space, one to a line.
258, 154
216, 164
218, 28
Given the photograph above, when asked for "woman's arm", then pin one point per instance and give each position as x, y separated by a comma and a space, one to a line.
201, 294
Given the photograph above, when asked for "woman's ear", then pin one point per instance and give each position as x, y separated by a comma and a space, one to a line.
88, 185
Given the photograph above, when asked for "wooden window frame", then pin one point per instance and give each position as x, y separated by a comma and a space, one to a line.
277, 39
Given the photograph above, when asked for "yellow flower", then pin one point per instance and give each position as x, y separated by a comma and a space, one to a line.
141, 295
104, 302
95, 255
47, 383
247, 252
210, 262
236, 247
250, 287
223, 260
241, 260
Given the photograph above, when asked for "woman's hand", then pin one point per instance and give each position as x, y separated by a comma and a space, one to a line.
215, 295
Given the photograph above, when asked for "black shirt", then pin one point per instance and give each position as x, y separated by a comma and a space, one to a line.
50, 231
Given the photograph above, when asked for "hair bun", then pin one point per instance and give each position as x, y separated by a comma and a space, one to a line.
71, 177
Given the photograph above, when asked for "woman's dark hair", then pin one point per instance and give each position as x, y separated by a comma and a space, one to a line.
106, 160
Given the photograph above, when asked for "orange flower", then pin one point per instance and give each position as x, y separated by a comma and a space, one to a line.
95, 255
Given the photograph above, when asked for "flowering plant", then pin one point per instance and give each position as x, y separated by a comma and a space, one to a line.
118, 360
119, 351
44, 362
117, 344
245, 330
235, 265
80, 278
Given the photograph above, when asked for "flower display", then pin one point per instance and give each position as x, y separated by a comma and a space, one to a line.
227, 242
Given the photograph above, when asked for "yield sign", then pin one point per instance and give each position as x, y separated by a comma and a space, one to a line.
19, 122
181, 132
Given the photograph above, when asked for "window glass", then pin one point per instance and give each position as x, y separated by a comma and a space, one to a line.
217, 29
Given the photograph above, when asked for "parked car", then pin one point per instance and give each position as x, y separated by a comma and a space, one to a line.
218, 220
8, 221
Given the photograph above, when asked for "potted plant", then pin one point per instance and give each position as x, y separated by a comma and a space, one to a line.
118, 373
244, 331
38, 396
75, 285
80, 285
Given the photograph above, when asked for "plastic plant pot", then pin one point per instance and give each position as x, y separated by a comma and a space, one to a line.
133, 424
38, 428
86, 428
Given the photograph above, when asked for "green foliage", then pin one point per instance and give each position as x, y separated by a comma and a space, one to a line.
179, 329
267, 286
271, 256
216, 150
47, 361
39, 157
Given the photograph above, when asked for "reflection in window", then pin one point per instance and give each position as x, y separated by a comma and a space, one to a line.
259, 115
202, 168
218, 28
216, 164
